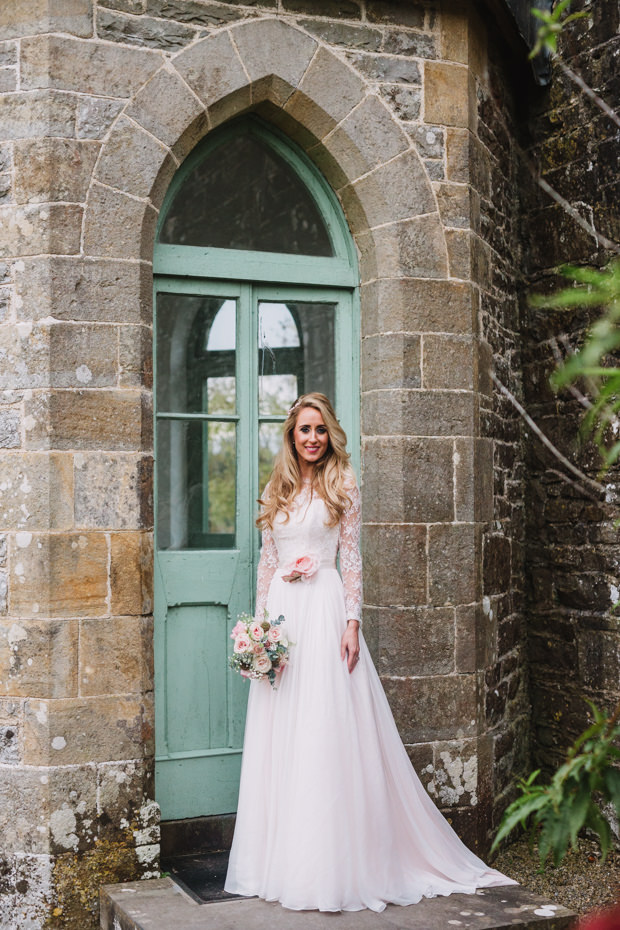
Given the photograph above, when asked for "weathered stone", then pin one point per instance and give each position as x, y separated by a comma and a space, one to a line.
428, 140
418, 641
405, 101
38, 658
334, 33
125, 6
70, 732
384, 69
398, 190
473, 474
10, 433
454, 205
270, 40
115, 656
45, 113
144, 31
90, 290
415, 413
86, 67
83, 354
25, 794
448, 362
390, 361
417, 305
95, 115
49, 228
457, 154
8, 54
413, 44
435, 168
133, 161
72, 808
459, 244
213, 70
327, 93
433, 708
24, 350
96, 419
467, 636
395, 565
336, 9
496, 564
107, 491
131, 573
368, 137
36, 491
599, 659
386, 11
454, 36
455, 774
124, 789
408, 480
446, 94
166, 108
412, 248
34, 16
197, 12
8, 80
59, 575
454, 560
118, 226
135, 356
53, 169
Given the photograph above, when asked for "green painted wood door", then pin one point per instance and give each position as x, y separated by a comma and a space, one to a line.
240, 332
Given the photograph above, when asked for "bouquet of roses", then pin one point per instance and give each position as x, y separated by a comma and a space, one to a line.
261, 648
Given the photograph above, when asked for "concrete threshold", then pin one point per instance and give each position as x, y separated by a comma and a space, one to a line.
161, 904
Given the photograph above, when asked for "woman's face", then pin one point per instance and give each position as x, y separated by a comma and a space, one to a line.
310, 436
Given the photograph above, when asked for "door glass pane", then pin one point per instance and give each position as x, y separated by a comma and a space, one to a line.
269, 440
196, 484
196, 339
243, 195
296, 352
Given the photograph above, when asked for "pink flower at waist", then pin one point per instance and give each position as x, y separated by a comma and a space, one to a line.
301, 569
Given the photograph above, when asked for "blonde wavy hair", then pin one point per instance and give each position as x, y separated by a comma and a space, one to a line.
332, 476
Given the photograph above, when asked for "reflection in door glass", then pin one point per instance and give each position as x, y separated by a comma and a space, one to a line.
196, 482
195, 349
269, 440
295, 352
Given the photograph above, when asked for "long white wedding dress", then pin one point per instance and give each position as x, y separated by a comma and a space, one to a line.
331, 813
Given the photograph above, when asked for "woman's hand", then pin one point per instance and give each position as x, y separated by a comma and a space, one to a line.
350, 644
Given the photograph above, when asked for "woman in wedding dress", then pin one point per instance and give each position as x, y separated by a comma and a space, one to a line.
331, 814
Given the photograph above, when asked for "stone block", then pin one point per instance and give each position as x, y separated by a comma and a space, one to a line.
131, 573
473, 471
428, 140
458, 242
454, 36
71, 805
24, 350
411, 44
10, 428
199, 13
38, 658
416, 413
108, 491
10, 732
167, 109
132, 161
116, 655
24, 794
457, 155
467, 635
44, 229
143, 31
97, 419
455, 774
433, 708
454, 563
384, 69
36, 491
260, 44
95, 68
448, 362
390, 361
8, 54
455, 207
83, 355
421, 758
446, 94
388, 11
496, 564
40, 114
417, 641
59, 575
38, 16
413, 248
417, 305
135, 356
118, 226
334, 9
329, 90
8, 80
53, 169
88, 729
343, 34
395, 565
94, 290
95, 115
404, 101
396, 191
408, 480
213, 70
124, 792
369, 136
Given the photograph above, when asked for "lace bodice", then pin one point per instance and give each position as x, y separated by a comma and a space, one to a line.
306, 533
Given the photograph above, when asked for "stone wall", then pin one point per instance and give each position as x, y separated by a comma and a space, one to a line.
411, 123
573, 550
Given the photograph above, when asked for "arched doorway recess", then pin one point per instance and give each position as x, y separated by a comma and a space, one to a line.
255, 302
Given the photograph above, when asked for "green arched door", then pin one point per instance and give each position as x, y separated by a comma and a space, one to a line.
255, 303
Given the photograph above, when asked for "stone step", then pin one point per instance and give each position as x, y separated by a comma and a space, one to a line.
161, 904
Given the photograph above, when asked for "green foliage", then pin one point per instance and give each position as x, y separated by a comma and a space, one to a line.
594, 287
555, 813
551, 26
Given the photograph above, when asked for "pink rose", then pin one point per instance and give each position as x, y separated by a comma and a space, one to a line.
274, 635
239, 627
303, 567
256, 631
242, 643
262, 663
258, 649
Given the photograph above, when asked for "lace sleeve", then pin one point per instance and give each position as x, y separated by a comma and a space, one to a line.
350, 557
267, 565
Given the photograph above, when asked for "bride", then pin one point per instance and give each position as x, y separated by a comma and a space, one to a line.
331, 814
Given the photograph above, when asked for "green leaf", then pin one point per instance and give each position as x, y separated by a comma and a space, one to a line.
612, 783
